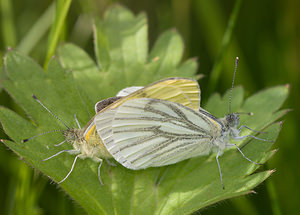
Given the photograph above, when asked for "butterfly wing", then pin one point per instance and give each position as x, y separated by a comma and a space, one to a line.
128, 90
181, 90
147, 132
105, 102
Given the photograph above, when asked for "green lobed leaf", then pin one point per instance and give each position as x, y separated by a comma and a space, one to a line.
121, 47
176, 189
126, 37
84, 70
121, 44
163, 56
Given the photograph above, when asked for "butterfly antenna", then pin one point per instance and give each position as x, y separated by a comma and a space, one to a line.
247, 113
33, 96
25, 140
230, 95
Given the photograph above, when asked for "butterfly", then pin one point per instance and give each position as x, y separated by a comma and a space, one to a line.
86, 141
152, 132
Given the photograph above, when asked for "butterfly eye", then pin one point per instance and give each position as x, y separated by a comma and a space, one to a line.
233, 119
229, 119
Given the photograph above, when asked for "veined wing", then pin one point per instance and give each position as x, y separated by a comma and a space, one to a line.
124, 92
184, 91
128, 90
147, 132
180, 90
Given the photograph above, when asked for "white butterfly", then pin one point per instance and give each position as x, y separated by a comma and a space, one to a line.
86, 141
148, 132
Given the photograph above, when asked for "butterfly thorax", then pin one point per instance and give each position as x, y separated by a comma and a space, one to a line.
93, 147
229, 129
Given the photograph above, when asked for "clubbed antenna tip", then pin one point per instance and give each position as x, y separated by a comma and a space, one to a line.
248, 113
24, 141
47, 132
33, 96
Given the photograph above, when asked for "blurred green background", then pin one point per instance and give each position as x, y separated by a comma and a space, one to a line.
266, 38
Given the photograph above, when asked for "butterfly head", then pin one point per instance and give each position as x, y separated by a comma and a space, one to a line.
233, 120
71, 135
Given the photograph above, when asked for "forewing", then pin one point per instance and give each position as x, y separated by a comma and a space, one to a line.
147, 132
128, 90
105, 102
180, 90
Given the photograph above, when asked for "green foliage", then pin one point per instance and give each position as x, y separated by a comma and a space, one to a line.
122, 60
216, 71
7, 26
37, 31
62, 8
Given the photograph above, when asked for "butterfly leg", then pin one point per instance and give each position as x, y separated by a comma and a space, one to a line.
100, 161
237, 137
232, 144
99, 170
244, 126
217, 158
60, 143
72, 151
242, 137
75, 159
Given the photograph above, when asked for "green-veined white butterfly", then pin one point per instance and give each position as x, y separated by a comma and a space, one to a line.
150, 132
86, 141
